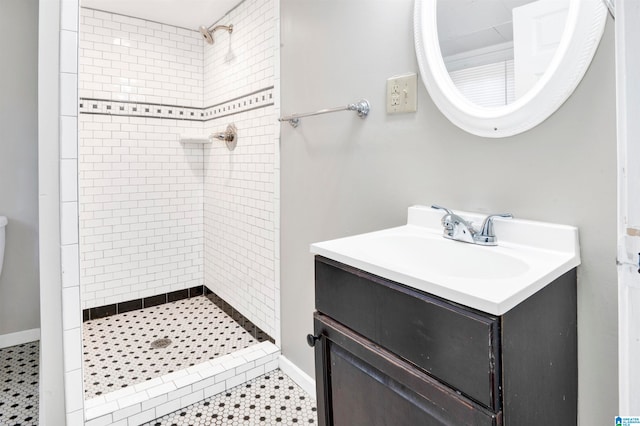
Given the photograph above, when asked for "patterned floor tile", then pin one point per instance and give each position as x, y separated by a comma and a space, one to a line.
19, 369
130, 348
271, 399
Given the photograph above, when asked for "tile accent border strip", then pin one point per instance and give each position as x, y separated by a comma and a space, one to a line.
259, 99
146, 302
160, 299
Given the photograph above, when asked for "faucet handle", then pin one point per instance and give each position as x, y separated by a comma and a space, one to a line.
434, 206
487, 225
446, 220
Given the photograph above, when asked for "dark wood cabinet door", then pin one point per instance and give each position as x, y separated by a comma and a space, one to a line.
360, 383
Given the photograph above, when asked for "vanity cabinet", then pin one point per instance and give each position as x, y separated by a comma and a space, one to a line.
387, 354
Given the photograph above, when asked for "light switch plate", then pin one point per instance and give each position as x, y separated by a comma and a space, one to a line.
402, 93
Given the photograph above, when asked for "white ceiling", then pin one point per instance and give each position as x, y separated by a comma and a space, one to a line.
465, 25
181, 13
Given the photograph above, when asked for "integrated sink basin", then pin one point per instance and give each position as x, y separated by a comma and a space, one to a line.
529, 255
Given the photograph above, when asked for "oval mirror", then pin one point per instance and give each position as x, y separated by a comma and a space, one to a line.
496, 68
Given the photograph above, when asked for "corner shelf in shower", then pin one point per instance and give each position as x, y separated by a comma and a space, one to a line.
229, 137
200, 139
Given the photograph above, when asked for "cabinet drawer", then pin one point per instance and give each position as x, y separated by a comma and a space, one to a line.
456, 345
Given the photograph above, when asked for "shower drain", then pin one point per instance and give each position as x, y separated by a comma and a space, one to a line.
160, 343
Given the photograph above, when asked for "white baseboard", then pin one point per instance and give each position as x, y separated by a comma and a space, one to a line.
19, 337
301, 378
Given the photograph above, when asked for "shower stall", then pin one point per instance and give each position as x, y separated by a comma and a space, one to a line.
178, 218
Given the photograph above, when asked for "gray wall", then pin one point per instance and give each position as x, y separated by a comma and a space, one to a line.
342, 175
19, 283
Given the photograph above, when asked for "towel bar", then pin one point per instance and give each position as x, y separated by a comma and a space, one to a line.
361, 107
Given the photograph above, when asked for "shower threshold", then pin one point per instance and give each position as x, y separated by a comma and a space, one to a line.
163, 395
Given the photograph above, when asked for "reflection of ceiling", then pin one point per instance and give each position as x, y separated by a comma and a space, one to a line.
181, 13
465, 25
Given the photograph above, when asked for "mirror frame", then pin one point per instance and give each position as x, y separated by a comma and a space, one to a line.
585, 25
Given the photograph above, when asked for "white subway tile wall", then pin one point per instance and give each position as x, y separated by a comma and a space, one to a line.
241, 62
71, 324
156, 215
141, 190
130, 59
276, 164
239, 206
141, 219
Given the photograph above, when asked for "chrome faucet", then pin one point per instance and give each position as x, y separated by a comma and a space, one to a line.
459, 229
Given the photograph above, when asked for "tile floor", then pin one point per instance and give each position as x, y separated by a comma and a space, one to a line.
118, 350
270, 399
19, 369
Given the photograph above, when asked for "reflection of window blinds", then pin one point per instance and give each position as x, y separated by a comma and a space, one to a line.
487, 85
511, 81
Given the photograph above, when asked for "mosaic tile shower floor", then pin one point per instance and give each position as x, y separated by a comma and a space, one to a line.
19, 369
270, 399
118, 349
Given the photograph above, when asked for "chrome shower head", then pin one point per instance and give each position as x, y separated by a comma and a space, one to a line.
208, 35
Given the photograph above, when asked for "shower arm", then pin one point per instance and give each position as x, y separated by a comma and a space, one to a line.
228, 28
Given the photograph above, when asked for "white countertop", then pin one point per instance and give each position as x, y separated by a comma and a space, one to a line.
529, 255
